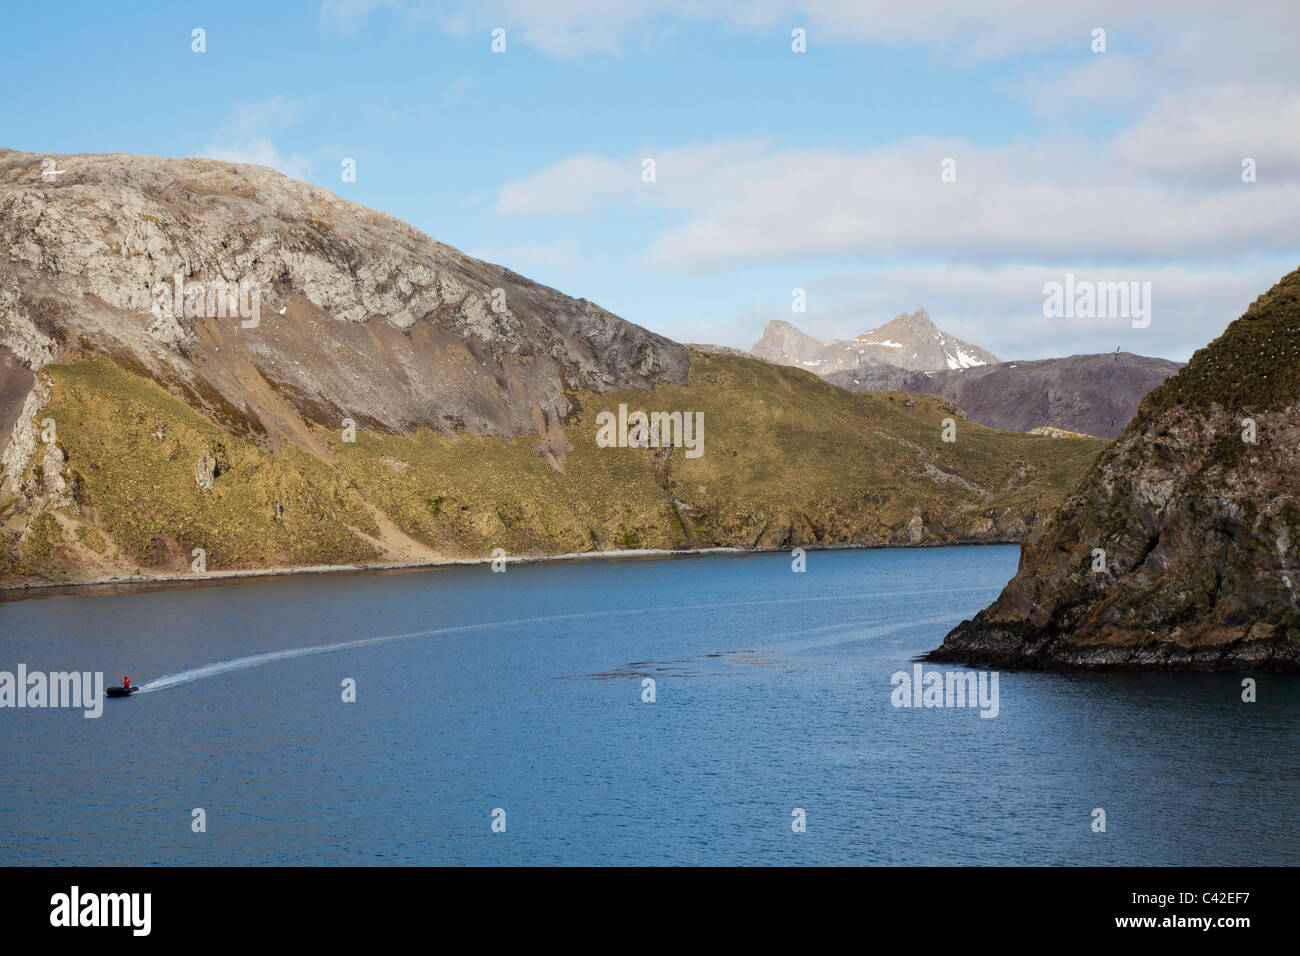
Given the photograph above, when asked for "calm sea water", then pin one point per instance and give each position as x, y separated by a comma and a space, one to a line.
523, 691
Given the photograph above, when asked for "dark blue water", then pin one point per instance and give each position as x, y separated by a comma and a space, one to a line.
773, 693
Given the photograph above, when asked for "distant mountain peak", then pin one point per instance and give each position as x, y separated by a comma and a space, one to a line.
910, 340
920, 319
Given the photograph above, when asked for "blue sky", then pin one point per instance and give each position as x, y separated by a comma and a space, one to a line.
775, 169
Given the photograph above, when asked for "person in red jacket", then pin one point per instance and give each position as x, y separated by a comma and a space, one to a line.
126, 682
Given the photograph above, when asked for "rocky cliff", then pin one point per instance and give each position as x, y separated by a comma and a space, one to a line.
1178, 548
397, 329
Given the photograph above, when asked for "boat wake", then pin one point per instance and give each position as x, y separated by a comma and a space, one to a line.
217, 668
270, 657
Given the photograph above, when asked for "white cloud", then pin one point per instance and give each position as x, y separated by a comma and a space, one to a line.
244, 136
262, 152
584, 184
573, 185
741, 203
1001, 308
1197, 138
574, 28
1193, 31
349, 13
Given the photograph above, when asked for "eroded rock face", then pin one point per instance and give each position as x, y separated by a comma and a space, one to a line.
1178, 549
23, 440
205, 472
399, 331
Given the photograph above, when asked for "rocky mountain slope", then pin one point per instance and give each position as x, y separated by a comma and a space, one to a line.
1178, 548
397, 401
1092, 394
912, 342
412, 336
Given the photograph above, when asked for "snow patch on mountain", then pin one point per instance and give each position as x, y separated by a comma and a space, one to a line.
910, 341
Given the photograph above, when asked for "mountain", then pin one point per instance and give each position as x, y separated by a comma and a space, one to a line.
787, 344
911, 342
1198, 524
412, 336
373, 396
1092, 394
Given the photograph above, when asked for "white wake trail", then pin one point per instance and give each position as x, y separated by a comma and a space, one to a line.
270, 657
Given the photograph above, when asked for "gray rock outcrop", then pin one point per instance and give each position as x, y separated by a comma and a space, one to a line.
1178, 549
400, 331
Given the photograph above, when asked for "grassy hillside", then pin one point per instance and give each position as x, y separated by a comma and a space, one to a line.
1254, 364
788, 460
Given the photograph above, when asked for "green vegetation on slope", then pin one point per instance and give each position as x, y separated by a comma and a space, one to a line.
788, 460
132, 449
1254, 364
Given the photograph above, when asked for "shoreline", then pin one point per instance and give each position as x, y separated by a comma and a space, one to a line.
11, 593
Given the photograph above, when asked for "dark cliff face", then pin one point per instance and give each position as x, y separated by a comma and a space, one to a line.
1198, 526
1091, 394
